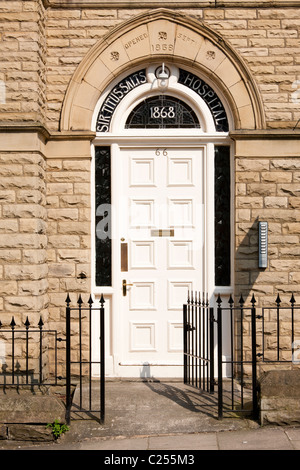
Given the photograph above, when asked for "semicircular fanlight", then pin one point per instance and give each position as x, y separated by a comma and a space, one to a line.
162, 112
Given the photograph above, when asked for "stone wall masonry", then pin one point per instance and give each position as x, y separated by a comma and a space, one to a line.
23, 239
41, 48
69, 230
45, 207
22, 60
266, 38
266, 189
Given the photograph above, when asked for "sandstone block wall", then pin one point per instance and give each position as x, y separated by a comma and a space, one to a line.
266, 38
22, 61
69, 231
45, 182
41, 48
23, 235
267, 189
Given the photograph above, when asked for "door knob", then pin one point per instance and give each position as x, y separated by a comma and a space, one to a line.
124, 285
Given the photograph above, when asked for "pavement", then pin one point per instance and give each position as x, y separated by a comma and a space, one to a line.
158, 416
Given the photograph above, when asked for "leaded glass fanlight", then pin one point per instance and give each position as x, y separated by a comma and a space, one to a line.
162, 112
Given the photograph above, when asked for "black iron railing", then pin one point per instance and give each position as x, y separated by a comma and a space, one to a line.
237, 362
35, 356
86, 361
18, 366
245, 340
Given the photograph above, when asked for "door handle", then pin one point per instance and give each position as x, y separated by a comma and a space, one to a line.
124, 285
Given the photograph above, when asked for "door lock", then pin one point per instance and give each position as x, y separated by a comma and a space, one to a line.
124, 285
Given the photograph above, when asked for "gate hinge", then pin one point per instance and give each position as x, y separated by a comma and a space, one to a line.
189, 327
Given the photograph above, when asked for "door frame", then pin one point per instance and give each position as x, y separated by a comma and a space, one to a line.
119, 137
117, 143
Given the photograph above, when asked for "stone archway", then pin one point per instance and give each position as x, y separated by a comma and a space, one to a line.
162, 34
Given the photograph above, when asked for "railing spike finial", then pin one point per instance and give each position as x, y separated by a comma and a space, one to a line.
27, 323
241, 301
188, 298
231, 301
68, 300
219, 300
292, 301
253, 300
80, 301
102, 301
41, 323
13, 323
278, 300
90, 301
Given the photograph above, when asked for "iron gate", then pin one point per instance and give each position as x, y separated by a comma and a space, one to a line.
198, 343
80, 358
230, 345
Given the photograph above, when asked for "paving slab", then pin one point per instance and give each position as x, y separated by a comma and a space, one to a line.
294, 436
203, 441
116, 444
261, 439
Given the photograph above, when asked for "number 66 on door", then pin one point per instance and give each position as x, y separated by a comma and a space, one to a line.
159, 152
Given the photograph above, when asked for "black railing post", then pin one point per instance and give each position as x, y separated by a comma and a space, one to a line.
188, 340
241, 302
220, 363
41, 324
211, 351
90, 302
68, 359
12, 325
79, 303
278, 302
191, 321
27, 324
102, 359
292, 301
254, 359
185, 343
231, 302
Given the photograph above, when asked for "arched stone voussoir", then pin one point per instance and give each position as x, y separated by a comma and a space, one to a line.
162, 35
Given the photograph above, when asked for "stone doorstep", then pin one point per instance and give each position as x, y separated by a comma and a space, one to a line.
25, 418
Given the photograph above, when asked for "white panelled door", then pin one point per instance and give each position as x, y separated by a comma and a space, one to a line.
162, 254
